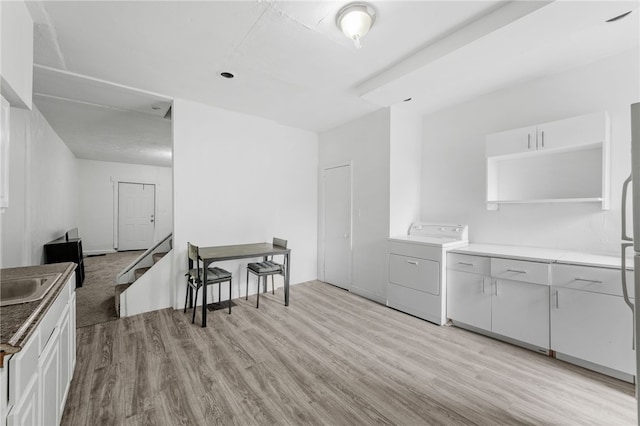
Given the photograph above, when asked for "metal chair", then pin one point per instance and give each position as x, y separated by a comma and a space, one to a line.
195, 277
266, 269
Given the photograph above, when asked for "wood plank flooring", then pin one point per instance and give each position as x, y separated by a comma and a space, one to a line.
329, 358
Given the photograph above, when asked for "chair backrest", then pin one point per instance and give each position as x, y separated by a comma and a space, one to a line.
279, 242
192, 252
193, 259
192, 255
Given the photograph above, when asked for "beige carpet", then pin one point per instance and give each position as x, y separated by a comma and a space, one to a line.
94, 300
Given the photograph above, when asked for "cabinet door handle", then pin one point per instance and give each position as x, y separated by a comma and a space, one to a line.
496, 284
588, 281
482, 285
411, 262
515, 271
557, 300
465, 263
543, 139
528, 140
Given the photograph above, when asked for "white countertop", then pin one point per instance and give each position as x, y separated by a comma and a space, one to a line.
538, 254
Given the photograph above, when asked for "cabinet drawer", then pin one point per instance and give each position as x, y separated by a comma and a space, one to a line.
467, 263
412, 272
520, 270
597, 280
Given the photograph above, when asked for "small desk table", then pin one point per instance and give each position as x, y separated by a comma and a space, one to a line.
241, 251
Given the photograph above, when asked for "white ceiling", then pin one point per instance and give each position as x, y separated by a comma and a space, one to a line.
292, 64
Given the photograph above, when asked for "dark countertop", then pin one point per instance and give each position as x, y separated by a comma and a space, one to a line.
17, 322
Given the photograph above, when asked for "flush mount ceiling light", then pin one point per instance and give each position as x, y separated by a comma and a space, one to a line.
355, 20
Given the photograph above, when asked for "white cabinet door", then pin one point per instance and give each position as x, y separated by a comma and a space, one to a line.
511, 141
65, 358
49, 376
594, 327
72, 330
521, 311
25, 411
469, 299
573, 132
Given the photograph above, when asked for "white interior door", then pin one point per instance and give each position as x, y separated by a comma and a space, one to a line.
136, 215
337, 226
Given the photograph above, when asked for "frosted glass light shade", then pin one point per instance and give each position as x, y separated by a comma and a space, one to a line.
355, 20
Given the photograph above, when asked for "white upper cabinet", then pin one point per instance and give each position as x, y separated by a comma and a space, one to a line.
575, 132
511, 141
560, 161
17, 53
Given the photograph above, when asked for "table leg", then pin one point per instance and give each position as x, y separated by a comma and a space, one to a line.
204, 295
286, 281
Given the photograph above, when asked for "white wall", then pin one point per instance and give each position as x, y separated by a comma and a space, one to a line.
405, 169
453, 162
242, 179
365, 143
97, 181
43, 198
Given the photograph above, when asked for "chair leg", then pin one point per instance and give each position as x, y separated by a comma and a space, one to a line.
246, 294
273, 285
204, 305
193, 318
258, 294
186, 297
229, 296
220, 293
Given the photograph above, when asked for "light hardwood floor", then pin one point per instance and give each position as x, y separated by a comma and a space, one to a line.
329, 358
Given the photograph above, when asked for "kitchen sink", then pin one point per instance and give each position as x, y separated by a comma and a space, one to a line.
25, 289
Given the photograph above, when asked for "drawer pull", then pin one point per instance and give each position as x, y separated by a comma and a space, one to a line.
515, 271
465, 263
411, 262
588, 281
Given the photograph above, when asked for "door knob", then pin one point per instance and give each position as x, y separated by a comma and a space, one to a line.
346, 235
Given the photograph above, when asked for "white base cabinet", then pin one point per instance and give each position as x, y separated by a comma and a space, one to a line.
515, 308
470, 290
590, 320
49, 376
572, 311
520, 311
39, 376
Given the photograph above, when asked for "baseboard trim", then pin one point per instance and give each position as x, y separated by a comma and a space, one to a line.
97, 252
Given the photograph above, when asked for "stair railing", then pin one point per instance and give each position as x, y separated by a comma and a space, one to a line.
123, 276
